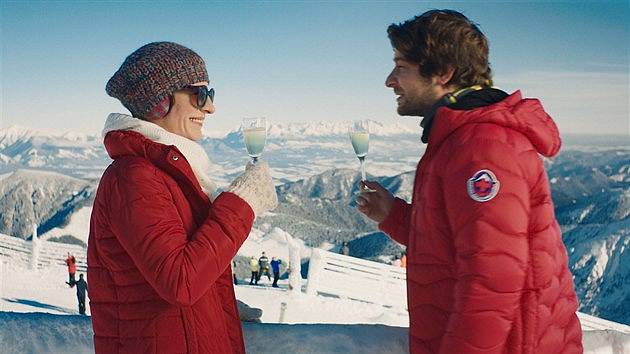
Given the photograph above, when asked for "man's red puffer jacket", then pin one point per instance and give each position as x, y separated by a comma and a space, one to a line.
487, 274
159, 255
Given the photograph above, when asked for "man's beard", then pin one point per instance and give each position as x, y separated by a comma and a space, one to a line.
419, 107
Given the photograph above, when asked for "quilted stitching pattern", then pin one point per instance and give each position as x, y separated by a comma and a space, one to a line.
487, 277
158, 256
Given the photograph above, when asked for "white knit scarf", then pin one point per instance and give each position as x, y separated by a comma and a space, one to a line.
193, 152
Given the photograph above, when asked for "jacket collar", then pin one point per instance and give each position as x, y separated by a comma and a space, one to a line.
154, 139
526, 116
464, 99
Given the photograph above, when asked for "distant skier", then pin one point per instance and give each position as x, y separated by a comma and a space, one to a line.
254, 267
71, 262
263, 261
234, 272
81, 290
345, 249
275, 266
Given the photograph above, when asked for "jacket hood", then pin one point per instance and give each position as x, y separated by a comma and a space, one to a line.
119, 143
526, 116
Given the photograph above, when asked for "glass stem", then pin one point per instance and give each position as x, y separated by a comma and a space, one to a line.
362, 160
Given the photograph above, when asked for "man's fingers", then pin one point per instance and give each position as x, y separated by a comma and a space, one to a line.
372, 184
366, 198
366, 184
375, 186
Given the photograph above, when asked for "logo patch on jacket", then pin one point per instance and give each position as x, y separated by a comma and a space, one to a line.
483, 186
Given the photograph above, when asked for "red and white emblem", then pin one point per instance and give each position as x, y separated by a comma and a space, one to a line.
483, 186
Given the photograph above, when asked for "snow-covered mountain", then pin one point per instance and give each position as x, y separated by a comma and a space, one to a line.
591, 192
47, 199
320, 209
295, 150
317, 176
75, 154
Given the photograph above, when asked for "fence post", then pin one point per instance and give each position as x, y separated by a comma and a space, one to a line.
1, 281
283, 310
314, 267
295, 265
385, 276
34, 248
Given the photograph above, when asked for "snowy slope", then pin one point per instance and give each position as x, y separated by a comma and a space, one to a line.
591, 192
38, 315
47, 199
45, 333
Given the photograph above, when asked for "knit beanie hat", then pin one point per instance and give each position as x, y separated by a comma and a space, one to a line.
152, 73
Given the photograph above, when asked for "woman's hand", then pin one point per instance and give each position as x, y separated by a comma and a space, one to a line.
256, 188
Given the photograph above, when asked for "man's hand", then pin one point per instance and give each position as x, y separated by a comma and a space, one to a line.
375, 204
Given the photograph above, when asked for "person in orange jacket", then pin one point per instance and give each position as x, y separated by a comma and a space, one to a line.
71, 262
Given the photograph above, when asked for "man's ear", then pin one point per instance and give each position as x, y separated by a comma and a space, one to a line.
445, 77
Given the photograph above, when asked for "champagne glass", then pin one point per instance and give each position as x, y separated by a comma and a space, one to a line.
255, 136
359, 132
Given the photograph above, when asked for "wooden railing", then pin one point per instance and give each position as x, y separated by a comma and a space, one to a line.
42, 254
358, 279
354, 278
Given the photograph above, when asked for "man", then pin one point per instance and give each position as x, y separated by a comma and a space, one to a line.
345, 249
487, 269
263, 261
235, 279
81, 289
275, 266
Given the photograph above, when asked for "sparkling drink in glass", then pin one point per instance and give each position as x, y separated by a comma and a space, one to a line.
360, 138
255, 136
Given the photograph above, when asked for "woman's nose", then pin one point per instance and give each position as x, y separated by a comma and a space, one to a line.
208, 107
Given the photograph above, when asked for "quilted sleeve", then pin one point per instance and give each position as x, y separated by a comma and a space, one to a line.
146, 222
396, 225
487, 205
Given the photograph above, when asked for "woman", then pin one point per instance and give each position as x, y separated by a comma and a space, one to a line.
161, 240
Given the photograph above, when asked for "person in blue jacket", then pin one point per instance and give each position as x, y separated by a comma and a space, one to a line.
275, 266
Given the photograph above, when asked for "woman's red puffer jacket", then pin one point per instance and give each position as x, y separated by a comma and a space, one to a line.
159, 255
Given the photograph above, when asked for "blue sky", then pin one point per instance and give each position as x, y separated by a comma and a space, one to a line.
305, 61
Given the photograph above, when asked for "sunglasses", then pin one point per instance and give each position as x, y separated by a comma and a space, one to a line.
202, 93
